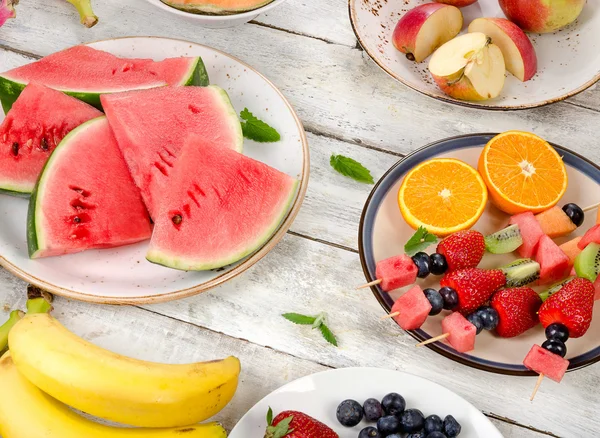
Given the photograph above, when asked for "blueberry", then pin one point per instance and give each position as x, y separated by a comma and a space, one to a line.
451, 426
555, 346
557, 331
450, 298
393, 404
349, 413
419, 434
435, 299
433, 423
369, 432
372, 409
421, 260
436, 435
575, 213
475, 319
394, 435
437, 264
489, 317
388, 425
411, 420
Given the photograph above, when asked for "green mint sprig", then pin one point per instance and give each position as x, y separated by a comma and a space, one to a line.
317, 322
351, 168
420, 241
255, 129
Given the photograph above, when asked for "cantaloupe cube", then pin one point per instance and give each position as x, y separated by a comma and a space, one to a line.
571, 249
543, 362
555, 222
413, 308
531, 232
554, 263
396, 272
461, 332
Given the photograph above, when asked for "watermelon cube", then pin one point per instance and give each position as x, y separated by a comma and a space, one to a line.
571, 249
592, 236
414, 308
396, 272
598, 217
554, 263
597, 287
461, 333
531, 232
555, 222
543, 362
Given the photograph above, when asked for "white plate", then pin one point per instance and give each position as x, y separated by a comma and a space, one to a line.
568, 60
319, 395
122, 275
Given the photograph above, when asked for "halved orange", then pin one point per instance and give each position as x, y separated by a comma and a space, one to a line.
444, 195
523, 172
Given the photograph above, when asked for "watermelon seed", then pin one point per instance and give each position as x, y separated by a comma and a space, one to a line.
177, 219
15, 149
29, 142
76, 219
44, 144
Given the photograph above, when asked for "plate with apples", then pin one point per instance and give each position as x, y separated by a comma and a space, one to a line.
490, 54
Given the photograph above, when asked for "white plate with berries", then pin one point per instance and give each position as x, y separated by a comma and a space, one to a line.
486, 61
364, 403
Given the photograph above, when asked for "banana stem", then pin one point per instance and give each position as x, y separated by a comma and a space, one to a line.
13, 318
38, 305
84, 7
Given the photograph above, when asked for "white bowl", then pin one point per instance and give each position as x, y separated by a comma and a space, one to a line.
218, 21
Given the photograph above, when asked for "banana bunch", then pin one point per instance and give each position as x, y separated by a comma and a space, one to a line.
84, 7
38, 303
57, 366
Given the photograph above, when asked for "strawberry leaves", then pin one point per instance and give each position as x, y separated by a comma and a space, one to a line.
317, 322
281, 429
420, 241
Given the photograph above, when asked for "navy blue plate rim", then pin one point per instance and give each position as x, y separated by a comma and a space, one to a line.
365, 246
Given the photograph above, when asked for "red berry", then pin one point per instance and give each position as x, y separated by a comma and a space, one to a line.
517, 309
473, 286
462, 250
301, 426
571, 306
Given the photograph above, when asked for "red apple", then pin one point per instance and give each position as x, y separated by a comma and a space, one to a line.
423, 29
519, 53
542, 16
457, 3
469, 67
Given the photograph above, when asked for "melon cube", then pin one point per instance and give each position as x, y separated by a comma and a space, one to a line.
531, 232
413, 308
571, 249
597, 288
554, 263
396, 272
598, 217
543, 362
592, 236
555, 222
461, 333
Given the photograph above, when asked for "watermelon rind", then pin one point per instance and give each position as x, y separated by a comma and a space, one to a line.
11, 89
213, 9
171, 261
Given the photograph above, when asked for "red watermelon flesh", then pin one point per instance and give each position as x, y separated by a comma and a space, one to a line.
32, 129
219, 207
85, 197
461, 333
592, 236
413, 308
554, 263
544, 362
152, 125
531, 232
396, 272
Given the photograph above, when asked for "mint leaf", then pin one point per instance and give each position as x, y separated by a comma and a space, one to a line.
297, 318
351, 168
319, 321
420, 241
270, 416
257, 130
328, 335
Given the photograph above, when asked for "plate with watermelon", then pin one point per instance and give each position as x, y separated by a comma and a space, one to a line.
140, 170
508, 288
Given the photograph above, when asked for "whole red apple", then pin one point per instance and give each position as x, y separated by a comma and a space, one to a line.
542, 16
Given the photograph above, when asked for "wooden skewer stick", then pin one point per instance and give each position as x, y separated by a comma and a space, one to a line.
373, 283
537, 386
591, 207
391, 315
434, 339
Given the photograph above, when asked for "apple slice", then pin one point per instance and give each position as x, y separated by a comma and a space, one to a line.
457, 3
423, 29
519, 53
469, 67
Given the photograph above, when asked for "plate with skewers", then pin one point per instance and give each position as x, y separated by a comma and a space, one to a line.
504, 303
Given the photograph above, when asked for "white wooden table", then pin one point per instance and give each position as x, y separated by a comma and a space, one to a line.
350, 107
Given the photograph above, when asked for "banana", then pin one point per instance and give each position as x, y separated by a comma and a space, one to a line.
84, 7
14, 317
114, 387
26, 412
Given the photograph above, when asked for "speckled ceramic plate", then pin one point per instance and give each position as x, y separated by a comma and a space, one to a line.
569, 60
122, 275
319, 395
383, 234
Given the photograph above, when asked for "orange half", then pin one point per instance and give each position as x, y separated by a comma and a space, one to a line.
523, 172
444, 195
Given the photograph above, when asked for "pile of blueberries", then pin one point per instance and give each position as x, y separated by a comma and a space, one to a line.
394, 420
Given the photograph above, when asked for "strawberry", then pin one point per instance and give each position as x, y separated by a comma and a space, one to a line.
473, 286
571, 306
517, 309
462, 250
294, 424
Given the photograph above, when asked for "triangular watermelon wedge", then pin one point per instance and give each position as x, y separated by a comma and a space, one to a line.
32, 129
86, 73
220, 206
151, 126
85, 197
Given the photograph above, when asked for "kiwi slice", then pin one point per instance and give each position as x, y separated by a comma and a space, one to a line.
504, 241
555, 288
587, 263
521, 272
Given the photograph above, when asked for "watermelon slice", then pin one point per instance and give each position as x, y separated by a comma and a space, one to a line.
152, 125
85, 197
413, 308
85, 73
396, 272
220, 206
592, 236
531, 232
217, 7
555, 265
461, 333
544, 362
32, 129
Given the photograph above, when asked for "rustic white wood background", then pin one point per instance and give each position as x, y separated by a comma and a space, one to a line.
348, 106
